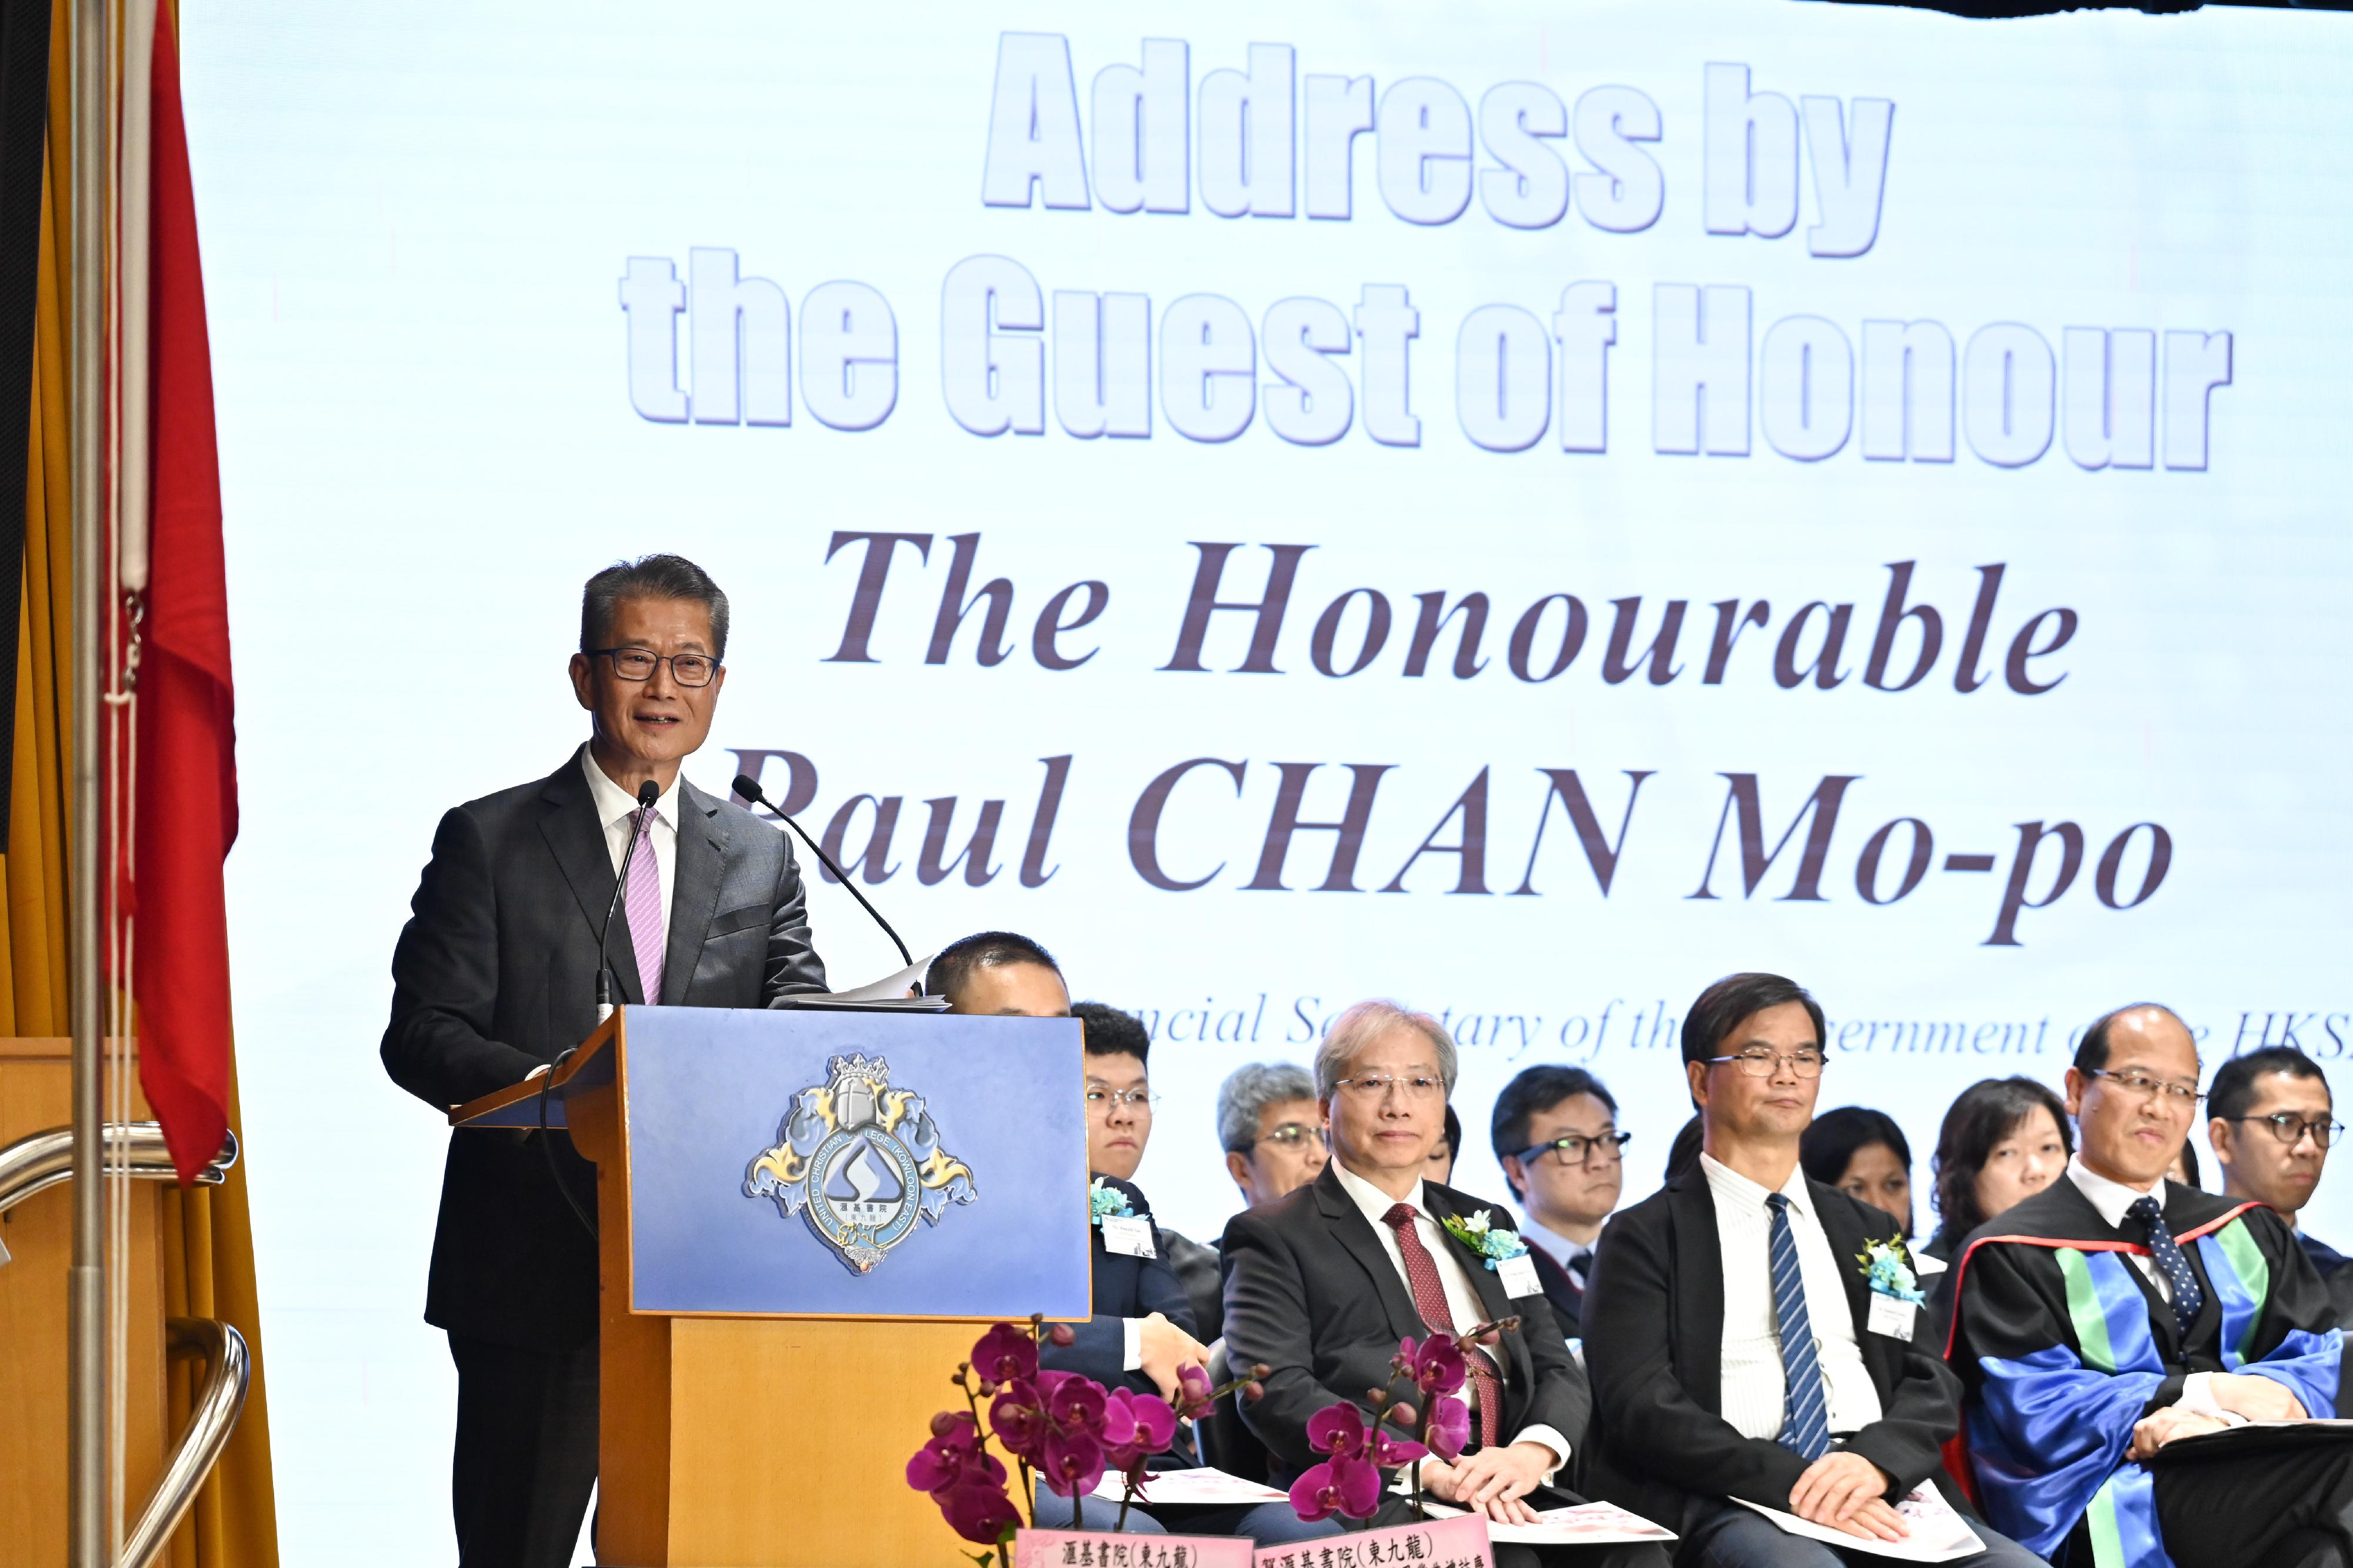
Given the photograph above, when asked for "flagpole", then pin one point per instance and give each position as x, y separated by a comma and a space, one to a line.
89, 1537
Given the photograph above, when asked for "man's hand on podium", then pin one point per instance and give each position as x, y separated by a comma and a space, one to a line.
1164, 1350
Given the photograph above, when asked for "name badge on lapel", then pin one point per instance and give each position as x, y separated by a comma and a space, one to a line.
1519, 1277
1129, 1235
1892, 1317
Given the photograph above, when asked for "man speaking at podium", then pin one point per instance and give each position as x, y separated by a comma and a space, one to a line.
496, 976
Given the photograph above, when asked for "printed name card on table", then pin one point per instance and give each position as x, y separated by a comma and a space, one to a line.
1439, 1543
1102, 1549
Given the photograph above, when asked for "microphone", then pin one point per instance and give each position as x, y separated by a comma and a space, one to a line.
748, 788
648, 793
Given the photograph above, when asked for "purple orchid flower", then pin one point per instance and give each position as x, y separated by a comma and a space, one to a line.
1019, 1419
1136, 1427
1004, 1354
1193, 1394
1389, 1452
1337, 1430
979, 1513
1070, 1463
955, 1457
1437, 1363
1449, 1428
1342, 1484
1074, 1405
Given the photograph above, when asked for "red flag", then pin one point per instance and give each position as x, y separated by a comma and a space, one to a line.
187, 812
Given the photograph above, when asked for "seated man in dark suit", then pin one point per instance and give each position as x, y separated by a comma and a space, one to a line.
1742, 1342
2115, 1313
2271, 1122
1554, 1133
1322, 1285
1111, 1032
1273, 1139
496, 976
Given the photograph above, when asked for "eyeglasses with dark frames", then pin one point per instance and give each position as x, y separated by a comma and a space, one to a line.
1575, 1150
640, 664
2289, 1127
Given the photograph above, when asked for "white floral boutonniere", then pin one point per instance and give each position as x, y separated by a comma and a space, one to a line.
1107, 1202
1480, 1233
1887, 1269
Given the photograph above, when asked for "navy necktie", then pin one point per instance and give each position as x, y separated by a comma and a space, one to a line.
1805, 1410
2186, 1297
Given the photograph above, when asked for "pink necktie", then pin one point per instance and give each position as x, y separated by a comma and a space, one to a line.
646, 931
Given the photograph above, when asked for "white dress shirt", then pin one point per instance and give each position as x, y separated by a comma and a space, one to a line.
2112, 1199
1756, 1388
1556, 1247
617, 810
1461, 1296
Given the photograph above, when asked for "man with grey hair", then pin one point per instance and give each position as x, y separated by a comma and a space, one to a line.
1273, 1139
497, 974
1321, 1285
1270, 1129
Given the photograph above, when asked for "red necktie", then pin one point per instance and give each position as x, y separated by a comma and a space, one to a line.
1430, 1300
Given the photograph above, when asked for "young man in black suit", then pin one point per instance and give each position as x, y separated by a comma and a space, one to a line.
1322, 1285
495, 976
1737, 1346
1554, 1133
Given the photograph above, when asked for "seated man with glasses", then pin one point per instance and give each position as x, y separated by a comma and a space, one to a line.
1273, 1139
2114, 1313
1755, 1336
2271, 1124
1322, 1285
1554, 1133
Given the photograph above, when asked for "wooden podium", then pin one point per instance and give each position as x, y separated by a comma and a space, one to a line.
762, 1395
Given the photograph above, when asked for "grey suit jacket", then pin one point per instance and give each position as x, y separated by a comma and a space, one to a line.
496, 972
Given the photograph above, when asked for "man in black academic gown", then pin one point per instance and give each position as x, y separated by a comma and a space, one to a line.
2271, 1122
495, 976
1322, 1285
1754, 1336
2115, 1314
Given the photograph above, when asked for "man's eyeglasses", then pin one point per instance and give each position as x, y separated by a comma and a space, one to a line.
639, 664
2133, 1082
1104, 1098
2289, 1127
1762, 1063
1291, 1134
1574, 1150
1373, 1085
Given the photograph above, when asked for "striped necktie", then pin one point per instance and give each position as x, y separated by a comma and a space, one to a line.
1805, 1411
644, 899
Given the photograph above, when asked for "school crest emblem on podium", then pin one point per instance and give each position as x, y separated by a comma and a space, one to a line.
860, 1162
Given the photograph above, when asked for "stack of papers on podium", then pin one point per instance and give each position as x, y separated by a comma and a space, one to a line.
899, 992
